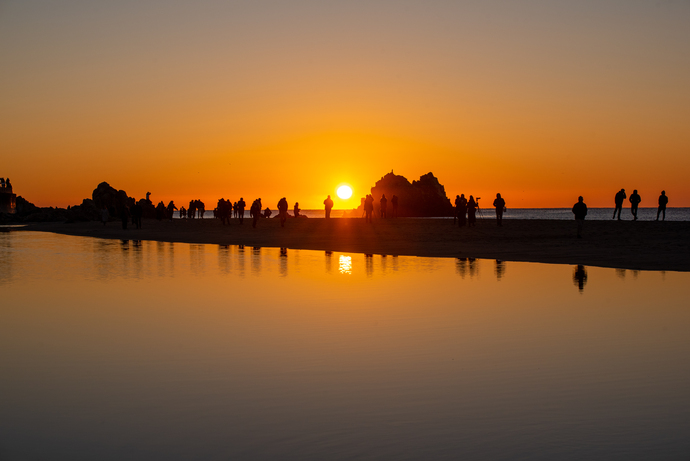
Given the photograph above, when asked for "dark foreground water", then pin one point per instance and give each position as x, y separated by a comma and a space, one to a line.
114, 350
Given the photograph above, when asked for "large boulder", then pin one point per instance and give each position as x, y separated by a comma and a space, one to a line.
423, 198
114, 200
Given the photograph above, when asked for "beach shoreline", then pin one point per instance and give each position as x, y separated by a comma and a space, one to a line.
631, 245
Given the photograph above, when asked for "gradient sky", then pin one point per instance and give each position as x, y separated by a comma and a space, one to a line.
539, 100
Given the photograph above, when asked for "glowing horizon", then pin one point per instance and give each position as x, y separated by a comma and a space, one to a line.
541, 102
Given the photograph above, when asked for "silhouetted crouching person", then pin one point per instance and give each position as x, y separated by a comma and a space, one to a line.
472, 212
500, 206
328, 203
282, 211
296, 209
394, 204
620, 196
635, 200
580, 211
384, 205
663, 201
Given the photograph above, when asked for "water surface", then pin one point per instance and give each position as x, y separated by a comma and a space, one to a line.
142, 350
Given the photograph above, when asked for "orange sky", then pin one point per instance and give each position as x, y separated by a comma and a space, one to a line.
538, 101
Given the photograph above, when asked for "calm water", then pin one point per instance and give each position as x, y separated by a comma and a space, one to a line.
594, 214
141, 350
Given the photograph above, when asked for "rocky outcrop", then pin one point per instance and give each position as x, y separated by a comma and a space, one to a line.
115, 200
425, 197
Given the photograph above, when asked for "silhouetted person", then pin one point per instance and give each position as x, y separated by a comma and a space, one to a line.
328, 203
296, 209
267, 213
635, 200
125, 216
500, 206
183, 212
580, 277
137, 212
201, 208
472, 211
461, 209
2, 182
620, 196
384, 204
368, 207
8, 185
282, 211
171, 209
580, 211
160, 210
104, 214
241, 205
394, 204
663, 201
255, 211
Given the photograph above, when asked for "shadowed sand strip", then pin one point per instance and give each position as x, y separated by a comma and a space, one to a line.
621, 244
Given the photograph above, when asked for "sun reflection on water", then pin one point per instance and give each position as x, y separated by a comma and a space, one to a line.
345, 264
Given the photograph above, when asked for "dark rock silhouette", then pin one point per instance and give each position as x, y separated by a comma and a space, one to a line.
423, 198
114, 200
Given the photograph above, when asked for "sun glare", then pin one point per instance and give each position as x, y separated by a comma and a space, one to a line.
344, 192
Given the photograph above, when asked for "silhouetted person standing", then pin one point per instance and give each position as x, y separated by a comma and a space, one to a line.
384, 205
472, 211
663, 201
620, 196
125, 216
580, 211
282, 211
368, 207
635, 200
394, 204
461, 206
328, 203
241, 205
171, 209
500, 206
255, 211
137, 212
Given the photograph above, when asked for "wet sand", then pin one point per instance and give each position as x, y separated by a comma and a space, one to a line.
641, 245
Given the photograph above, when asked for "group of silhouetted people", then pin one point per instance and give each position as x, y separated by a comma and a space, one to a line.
635, 200
5, 184
466, 210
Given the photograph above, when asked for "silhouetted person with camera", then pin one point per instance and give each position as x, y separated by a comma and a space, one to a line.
282, 211
328, 203
394, 204
472, 211
500, 206
663, 201
241, 205
461, 209
384, 204
580, 211
635, 200
620, 196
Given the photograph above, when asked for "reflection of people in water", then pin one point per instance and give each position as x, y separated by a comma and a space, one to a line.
635, 200
620, 196
580, 277
500, 206
663, 201
328, 204
472, 211
500, 269
580, 211
282, 211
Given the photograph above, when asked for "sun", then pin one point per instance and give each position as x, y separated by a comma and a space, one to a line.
344, 192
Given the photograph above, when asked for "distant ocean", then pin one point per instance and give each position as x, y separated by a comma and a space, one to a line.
594, 214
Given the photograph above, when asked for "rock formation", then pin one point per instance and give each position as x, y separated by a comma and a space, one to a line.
423, 198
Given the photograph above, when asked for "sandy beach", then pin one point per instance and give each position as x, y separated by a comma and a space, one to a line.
620, 244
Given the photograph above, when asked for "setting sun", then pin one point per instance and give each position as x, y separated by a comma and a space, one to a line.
344, 192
